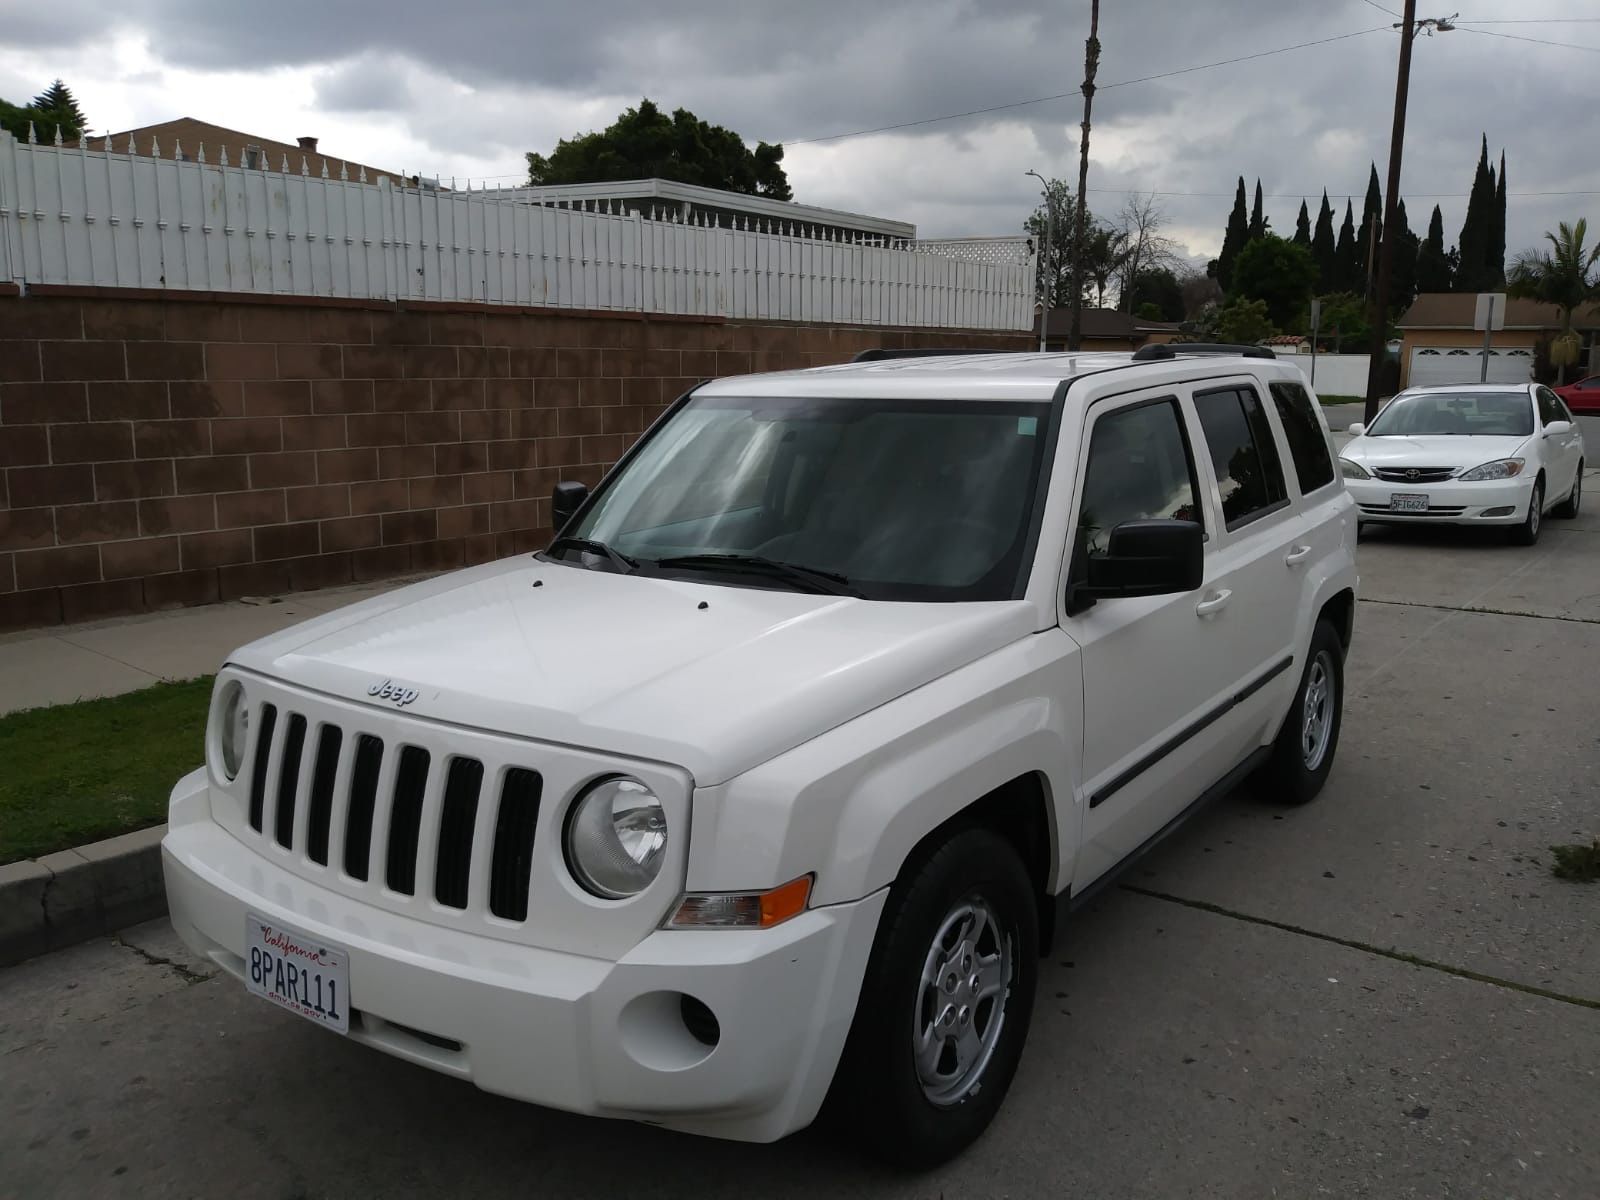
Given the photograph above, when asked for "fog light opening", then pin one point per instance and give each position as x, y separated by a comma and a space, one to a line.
1503, 511
700, 1021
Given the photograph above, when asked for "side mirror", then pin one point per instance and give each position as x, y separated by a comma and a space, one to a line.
1357, 429
566, 499
1147, 558
1557, 428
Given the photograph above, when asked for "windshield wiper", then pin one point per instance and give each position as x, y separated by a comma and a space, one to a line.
828, 582
620, 562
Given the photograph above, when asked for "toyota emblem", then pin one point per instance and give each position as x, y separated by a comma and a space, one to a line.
1412, 473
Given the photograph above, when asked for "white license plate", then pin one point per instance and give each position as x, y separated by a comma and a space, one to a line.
297, 972
1408, 502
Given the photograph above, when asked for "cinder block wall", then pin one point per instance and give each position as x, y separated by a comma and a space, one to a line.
160, 450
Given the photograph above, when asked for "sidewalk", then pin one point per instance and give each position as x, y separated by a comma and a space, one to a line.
106, 658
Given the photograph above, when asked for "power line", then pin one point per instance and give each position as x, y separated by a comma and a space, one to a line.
1381, 8
832, 137
1540, 21
1517, 37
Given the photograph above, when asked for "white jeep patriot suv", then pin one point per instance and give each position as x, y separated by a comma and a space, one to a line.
767, 783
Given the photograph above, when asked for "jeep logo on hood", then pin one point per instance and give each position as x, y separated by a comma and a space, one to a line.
397, 693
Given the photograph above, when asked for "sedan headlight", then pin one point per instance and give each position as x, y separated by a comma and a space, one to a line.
616, 838
1353, 470
1501, 468
233, 727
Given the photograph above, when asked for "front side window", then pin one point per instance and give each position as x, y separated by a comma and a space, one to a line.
1138, 468
1244, 456
1308, 443
1456, 414
903, 499
1549, 407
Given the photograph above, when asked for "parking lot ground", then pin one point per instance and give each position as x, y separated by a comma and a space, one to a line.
1381, 994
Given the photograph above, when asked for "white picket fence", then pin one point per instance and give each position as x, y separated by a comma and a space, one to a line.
70, 215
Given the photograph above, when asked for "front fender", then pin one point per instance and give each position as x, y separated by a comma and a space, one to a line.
849, 806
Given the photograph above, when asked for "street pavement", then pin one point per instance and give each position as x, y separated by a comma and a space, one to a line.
1382, 994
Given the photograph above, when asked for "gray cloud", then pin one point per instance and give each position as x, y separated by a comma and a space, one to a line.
365, 84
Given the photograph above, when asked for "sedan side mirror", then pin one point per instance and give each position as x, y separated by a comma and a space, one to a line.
1147, 558
1357, 429
1557, 428
566, 499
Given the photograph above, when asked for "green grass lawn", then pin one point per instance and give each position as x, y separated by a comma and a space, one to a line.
1331, 399
75, 773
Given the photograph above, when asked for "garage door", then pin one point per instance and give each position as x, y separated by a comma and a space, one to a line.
1463, 364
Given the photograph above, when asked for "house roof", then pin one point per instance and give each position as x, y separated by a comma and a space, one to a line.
1455, 310
1106, 323
191, 134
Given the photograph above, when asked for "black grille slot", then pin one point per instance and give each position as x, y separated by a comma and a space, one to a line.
363, 800
320, 813
258, 769
512, 864
405, 820
294, 740
1413, 474
456, 819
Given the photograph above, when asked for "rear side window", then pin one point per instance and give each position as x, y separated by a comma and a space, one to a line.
1138, 469
1243, 454
1308, 445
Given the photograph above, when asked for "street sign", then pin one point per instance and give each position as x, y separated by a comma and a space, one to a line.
1491, 311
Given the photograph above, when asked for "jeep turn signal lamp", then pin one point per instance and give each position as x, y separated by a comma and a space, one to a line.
742, 910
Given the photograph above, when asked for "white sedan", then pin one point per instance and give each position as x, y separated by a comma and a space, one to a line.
1467, 454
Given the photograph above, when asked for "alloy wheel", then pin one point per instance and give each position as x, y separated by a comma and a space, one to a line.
1317, 710
967, 978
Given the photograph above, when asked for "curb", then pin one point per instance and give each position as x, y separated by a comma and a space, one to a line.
73, 895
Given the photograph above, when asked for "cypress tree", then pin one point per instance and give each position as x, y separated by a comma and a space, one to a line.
1407, 249
1233, 241
1302, 227
1433, 265
1324, 250
1258, 219
1477, 230
1370, 233
1496, 265
1348, 270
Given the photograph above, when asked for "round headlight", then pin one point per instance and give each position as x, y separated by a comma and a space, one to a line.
233, 716
616, 838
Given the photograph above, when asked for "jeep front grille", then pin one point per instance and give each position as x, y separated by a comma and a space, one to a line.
421, 808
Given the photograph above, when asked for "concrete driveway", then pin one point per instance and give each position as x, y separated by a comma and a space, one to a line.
1383, 994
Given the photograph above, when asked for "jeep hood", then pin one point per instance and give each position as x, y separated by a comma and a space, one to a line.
711, 678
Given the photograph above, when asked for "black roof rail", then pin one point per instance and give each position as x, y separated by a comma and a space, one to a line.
879, 353
1165, 350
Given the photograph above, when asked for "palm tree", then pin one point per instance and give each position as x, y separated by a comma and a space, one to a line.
1564, 276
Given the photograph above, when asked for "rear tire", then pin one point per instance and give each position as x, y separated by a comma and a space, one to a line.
1527, 533
1302, 756
930, 1057
1568, 508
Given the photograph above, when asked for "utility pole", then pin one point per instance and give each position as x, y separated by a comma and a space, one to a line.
1049, 240
1378, 314
1091, 63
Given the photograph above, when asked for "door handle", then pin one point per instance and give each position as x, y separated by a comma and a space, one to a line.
1215, 604
1297, 555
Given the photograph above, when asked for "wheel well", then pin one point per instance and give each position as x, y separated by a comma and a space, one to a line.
1017, 810
1340, 609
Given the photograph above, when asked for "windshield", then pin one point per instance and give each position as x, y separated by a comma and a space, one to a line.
905, 500
1456, 414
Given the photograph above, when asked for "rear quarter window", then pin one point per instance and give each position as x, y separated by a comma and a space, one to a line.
1302, 429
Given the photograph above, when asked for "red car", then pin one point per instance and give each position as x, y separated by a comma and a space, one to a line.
1583, 396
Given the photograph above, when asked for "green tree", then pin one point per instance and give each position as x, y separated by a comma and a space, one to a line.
1565, 276
1407, 248
645, 143
1324, 249
1369, 234
1347, 272
14, 119
1239, 322
1433, 266
57, 106
1258, 218
1476, 243
1234, 239
1302, 227
1277, 272
1343, 322
1497, 241
1103, 249
1159, 291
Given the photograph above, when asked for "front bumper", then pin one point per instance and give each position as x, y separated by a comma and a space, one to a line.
553, 1028
1450, 502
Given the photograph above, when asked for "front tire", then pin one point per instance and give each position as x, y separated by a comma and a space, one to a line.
945, 1004
1302, 756
1568, 508
1527, 533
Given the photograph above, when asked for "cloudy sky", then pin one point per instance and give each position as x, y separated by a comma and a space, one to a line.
464, 88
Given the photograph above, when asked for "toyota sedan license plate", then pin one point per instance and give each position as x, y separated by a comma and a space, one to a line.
298, 972
1408, 502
